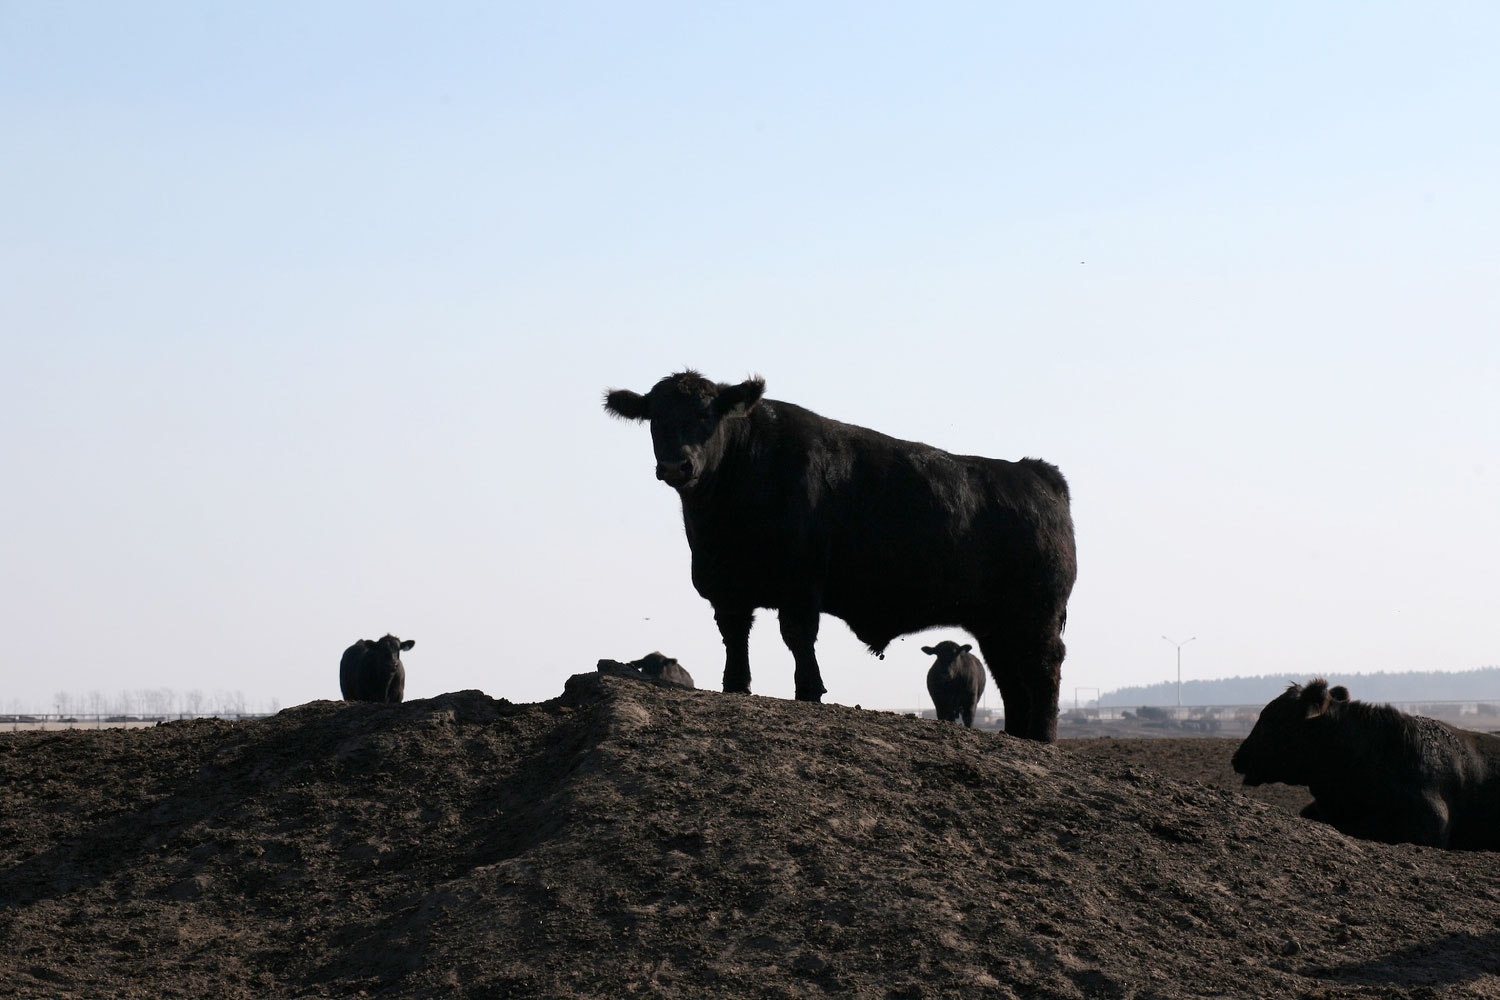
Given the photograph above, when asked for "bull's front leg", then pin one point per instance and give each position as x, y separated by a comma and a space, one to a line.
799, 630
734, 626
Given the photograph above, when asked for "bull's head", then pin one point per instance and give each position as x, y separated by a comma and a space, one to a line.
1284, 744
689, 417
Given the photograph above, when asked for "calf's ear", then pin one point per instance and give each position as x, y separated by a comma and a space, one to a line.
929, 650
408, 644
965, 648
627, 404
1315, 698
738, 400
1339, 693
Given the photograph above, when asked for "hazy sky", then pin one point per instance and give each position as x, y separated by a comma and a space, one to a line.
307, 309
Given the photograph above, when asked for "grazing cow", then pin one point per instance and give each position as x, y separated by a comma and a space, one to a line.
1378, 773
789, 510
955, 681
655, 666
371, 670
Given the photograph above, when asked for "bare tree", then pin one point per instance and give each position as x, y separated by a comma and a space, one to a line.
156, 701
192, 702
63, 702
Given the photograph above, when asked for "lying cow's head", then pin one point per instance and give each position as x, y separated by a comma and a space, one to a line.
652, 664
688, 416
1284, 744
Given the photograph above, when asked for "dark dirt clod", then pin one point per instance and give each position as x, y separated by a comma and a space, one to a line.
631, 839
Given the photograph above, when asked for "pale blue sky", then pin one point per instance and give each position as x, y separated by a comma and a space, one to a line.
307, 309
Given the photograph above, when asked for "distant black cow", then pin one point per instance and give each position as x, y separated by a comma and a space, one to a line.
1378, 773
371, 670
655, 665
786, 509
955, 681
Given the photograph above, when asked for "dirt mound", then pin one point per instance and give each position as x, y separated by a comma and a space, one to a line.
635, 839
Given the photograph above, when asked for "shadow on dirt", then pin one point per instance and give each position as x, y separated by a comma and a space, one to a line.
1457, 958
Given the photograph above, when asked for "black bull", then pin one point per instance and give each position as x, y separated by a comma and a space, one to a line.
789, 510
1377, 773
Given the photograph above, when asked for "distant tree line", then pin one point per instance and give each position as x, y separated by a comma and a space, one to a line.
1411, 686
150, 702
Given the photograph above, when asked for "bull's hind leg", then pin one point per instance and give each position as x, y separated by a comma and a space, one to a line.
799, 630
734, 626
1027, 667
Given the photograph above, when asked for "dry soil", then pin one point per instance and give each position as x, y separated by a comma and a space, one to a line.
629, 839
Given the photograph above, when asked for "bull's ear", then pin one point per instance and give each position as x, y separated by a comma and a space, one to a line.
408, 644
1339, 693
1315, 698
929, 650
738, 400
627, 404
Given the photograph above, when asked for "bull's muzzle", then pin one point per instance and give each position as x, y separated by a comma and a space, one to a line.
675, 473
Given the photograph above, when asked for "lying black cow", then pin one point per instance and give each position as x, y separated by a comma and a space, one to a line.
654, 665
955, 681
371, 670
1378, 773
786, 509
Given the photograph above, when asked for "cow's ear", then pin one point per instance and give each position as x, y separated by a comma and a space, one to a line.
929, 650
965, 648
738, 400
1339, 693
1315, 698
627, 404
408, 644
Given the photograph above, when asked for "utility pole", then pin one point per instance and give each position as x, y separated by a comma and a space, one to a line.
1179, 646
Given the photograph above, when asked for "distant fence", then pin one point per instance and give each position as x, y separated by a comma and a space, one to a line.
1228, 720
109, 720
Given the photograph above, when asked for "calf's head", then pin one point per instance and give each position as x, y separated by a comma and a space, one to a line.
384, 654
946, 651
395, 647
1284, 745
689, 417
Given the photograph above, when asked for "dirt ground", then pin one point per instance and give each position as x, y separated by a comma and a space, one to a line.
629, 839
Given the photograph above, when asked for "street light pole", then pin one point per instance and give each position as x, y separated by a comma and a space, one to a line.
1179, 646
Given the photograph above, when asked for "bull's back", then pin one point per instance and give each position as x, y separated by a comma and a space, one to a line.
895, 535
923, 527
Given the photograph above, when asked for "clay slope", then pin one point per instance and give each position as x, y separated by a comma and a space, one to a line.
630, 839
